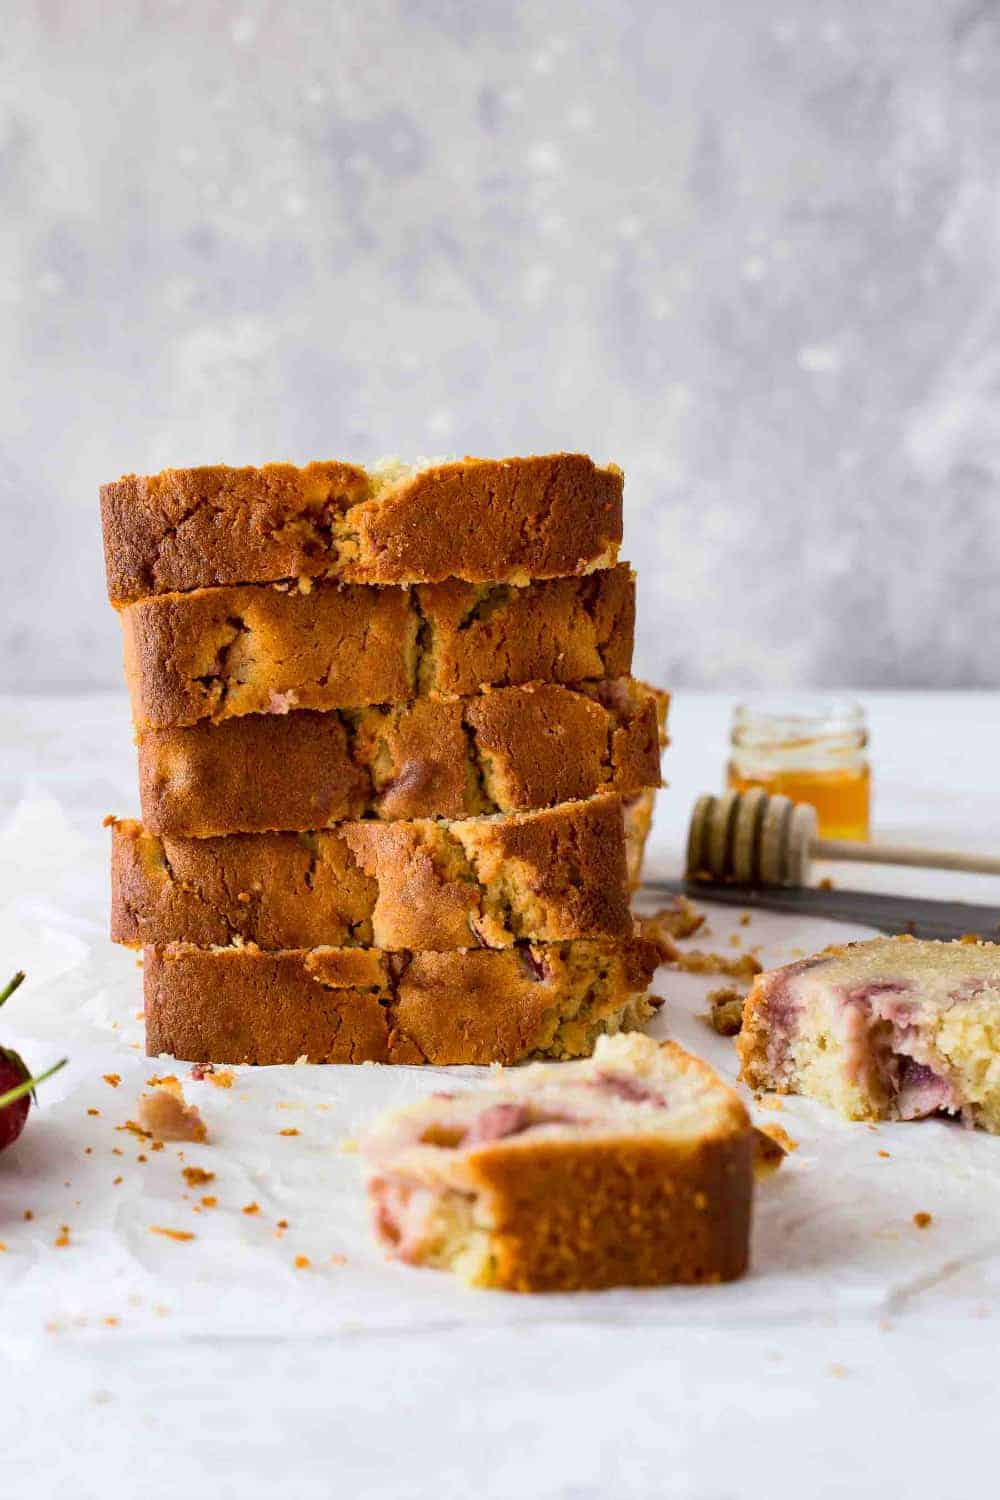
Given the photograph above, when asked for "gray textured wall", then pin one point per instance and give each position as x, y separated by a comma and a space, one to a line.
747, 249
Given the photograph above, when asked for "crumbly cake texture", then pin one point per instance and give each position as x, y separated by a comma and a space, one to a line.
891, 1029
640, 807
507, 520
633, 1168
488, 882
507, 750
638, 813
355, 1005
266, 648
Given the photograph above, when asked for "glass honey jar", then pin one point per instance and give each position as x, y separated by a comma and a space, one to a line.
810, 750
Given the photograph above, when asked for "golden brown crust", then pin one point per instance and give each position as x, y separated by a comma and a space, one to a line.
241, 1005
542, 876
752, 1040
638, 812
559, 1185
477, 519
504, 751
580, 1215
220, 653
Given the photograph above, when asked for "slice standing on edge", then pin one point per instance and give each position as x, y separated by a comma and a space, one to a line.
891, 1029
633, 1168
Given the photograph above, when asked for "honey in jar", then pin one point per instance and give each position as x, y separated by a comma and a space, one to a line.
811, 751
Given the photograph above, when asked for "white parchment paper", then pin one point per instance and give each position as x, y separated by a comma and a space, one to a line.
834, 1232
858, 1358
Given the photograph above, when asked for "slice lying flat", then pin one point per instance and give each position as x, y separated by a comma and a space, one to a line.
632, 1168
428, 884
892, 1029
507, 750
476, 1006
508, 519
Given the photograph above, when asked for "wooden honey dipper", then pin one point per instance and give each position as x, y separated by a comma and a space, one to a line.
751, 838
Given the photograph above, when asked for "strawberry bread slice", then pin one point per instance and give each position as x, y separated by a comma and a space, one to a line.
631, 1168
507, 519
891, 1029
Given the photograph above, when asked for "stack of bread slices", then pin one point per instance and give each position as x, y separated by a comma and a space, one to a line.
394, 775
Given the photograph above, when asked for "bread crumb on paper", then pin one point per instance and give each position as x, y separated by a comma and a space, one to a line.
923, 1220
197, 1176
768, 1153
165, 1115
745, 967
181, 1235
681, 919
112, 1079
779, 1134
725, 1012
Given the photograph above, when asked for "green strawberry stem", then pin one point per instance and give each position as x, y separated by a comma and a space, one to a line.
28, 1086
11, 986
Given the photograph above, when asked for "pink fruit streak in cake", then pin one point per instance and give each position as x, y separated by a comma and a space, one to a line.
781, 1011
619, 1086
496, 1122
399, 1215
500, 1121
921, 1090
918, 1090
863, 994
532, 965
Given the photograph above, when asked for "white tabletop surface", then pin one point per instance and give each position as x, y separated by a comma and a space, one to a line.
857, 1358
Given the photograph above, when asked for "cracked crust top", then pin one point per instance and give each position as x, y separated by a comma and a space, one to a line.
480, 520
507, 750
353, 1005
220, 653
482, 882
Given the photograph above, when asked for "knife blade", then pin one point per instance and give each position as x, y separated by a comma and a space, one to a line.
920, 916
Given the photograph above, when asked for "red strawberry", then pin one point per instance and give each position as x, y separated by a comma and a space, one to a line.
17, 1087
13, 1114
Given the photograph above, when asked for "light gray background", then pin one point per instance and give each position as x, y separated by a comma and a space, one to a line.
749, 250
